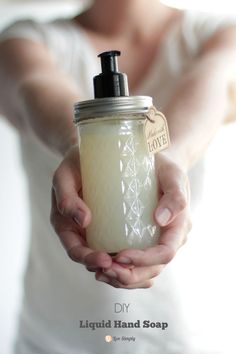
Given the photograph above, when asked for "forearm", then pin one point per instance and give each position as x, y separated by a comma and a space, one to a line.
46, 106
36, 96
197, 109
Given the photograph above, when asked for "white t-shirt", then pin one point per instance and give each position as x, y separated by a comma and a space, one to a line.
59, 293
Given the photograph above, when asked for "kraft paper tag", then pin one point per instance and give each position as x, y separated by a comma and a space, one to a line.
156, 131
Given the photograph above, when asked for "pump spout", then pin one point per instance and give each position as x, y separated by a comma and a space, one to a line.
109, 61
110, 83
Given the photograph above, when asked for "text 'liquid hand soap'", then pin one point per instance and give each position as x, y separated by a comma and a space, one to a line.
119, 179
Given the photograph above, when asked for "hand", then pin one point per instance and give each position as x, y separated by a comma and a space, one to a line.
129, 268
70, 215
133, 268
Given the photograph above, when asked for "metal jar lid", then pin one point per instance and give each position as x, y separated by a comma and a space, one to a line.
102, 107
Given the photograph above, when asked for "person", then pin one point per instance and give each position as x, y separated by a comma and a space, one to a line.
179, 58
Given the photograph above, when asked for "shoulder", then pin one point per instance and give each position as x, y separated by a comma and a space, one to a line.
59, 37
28, 29
21, 41
27, 45
44, 32
199, 28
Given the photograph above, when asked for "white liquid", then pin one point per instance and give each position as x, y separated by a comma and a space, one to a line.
119, 185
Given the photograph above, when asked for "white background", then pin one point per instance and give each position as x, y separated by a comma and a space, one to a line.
205, 266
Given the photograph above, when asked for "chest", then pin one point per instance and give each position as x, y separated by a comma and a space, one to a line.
153, 68
136, 57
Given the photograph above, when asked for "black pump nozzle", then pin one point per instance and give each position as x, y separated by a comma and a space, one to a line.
110, 83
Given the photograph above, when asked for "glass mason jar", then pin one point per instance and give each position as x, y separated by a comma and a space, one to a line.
119, 180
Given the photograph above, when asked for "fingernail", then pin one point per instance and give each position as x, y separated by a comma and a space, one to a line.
92, 269
103, 278
124, 260
110, 273
163, 216
79, 218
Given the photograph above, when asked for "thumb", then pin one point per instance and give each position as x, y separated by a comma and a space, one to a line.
67, 185
174, 192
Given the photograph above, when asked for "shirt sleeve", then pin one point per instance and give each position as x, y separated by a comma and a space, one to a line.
198, 27
56, 36
25, 29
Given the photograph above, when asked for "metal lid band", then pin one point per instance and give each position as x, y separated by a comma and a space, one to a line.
101, 107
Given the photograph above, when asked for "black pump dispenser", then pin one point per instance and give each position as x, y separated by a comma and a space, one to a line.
110, 83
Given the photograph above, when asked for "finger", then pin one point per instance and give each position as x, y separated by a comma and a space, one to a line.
116, 284
172, 237
65, 226
175, 188
72, 239
98, 259
132, 276
78, 251
145, 285
67, 185
90, 258
158, 255
92, 269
